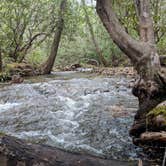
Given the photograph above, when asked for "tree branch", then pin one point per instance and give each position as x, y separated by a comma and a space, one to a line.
29, 44
131, 47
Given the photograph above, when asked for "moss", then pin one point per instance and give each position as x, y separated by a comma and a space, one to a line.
156, 119
22, 69
158, 111
152, 117
14, 66
2, 134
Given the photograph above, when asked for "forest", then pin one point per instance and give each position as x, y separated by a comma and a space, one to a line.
82, 82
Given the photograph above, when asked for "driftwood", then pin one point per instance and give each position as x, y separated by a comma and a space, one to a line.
154, 136
152, 139
16, 152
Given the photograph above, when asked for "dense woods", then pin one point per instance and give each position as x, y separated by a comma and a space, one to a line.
28, 29
38, 37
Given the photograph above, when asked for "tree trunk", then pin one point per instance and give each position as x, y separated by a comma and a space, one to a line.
0, 61
151, 86
48, 65
16, 152
102, 60
163, 60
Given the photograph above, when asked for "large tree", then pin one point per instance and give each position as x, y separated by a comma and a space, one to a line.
151, 86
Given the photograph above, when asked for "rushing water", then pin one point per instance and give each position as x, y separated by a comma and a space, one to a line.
73, 111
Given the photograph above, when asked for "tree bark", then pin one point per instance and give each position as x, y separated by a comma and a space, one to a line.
151, 86
0, 61
48, 65
145, 21
163, 60
16, 152
102, 60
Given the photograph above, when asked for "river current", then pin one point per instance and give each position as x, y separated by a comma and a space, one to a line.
72, 111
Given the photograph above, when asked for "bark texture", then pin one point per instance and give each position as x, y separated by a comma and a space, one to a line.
163, 60
0, 61
48, 65
151, 86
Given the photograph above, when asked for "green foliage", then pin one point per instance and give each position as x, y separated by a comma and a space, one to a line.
76, 45
24, 25
21, 20
4, 76
36, 57
76, 33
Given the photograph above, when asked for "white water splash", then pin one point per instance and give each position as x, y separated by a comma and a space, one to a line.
6, 106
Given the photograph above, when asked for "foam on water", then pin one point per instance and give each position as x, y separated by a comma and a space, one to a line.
6, 106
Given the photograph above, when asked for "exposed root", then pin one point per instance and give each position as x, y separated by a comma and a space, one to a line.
154, 136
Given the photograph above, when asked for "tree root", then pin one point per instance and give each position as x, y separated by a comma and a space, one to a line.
154, 136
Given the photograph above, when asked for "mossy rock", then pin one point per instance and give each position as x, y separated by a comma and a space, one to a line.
156, 119
158, 111
13, 66
22, 69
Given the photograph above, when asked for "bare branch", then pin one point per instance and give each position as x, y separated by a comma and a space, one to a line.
29, 44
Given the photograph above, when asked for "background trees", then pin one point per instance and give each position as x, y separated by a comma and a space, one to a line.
25, 25
48, 65
27, 28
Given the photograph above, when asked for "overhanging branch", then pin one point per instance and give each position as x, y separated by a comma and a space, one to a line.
131, 47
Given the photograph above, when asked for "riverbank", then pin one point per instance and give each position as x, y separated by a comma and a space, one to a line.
106, 71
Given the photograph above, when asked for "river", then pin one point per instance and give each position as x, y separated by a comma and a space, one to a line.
74, 111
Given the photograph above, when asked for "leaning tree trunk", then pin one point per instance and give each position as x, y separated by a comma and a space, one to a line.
0, 61
151, 86
48, 65
101, 57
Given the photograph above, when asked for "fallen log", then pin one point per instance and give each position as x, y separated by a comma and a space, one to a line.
157, 140
153, 144
17, 152
154, 136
